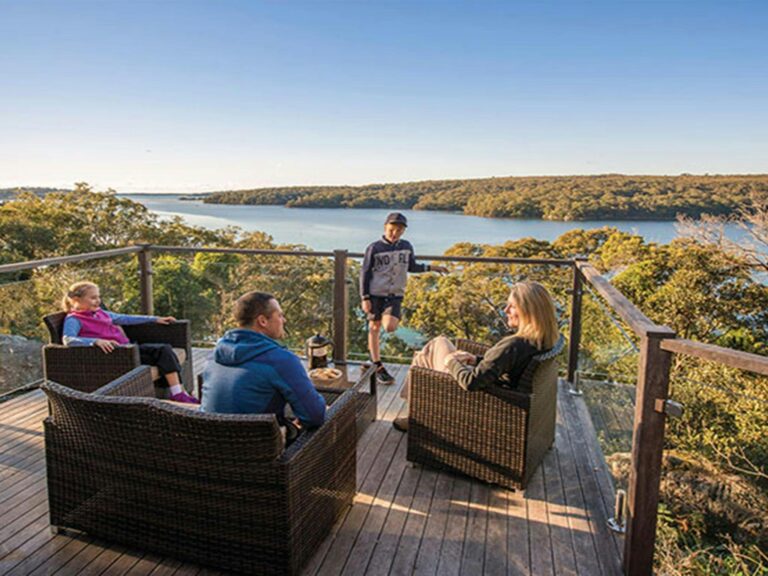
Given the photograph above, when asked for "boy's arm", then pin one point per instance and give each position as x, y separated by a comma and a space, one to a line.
414, 266
366, 272
70, 331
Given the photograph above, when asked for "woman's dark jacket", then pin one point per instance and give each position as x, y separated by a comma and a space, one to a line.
503, 363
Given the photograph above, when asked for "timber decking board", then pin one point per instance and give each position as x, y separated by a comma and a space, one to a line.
437, 519
473, 557
578, 518
495, 562
541, 544
518, 537
584, 444
563, 559
368, 484
406, 519
455, 529
405, 554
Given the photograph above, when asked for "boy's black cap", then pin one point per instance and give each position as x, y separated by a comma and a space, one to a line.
396, 218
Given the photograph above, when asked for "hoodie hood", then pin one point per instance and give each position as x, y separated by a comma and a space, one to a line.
239, 346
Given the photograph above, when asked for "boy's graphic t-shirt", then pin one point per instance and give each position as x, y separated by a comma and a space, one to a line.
386, 266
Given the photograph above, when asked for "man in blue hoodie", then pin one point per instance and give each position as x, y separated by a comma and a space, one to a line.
252, 374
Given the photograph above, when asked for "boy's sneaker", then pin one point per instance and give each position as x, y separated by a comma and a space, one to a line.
184, 397
384, 377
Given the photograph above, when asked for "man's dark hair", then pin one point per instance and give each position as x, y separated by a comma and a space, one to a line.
252, 305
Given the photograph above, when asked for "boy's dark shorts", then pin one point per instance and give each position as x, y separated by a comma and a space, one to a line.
389, 305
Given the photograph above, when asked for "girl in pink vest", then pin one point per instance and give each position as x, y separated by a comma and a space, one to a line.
87, 324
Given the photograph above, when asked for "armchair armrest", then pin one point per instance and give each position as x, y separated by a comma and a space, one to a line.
320, 471
434, 380
177, 334
137, 383
340, 414
330, 394
471, 346
436, 387
87, 368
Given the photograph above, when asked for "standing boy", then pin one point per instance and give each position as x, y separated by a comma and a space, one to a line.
382, 284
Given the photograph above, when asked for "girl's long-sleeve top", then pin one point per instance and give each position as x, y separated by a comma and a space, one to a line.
385, 268
73, 326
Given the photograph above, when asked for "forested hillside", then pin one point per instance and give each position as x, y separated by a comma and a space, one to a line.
605, 197
10, 193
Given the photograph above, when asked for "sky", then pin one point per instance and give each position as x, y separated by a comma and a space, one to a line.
190, 96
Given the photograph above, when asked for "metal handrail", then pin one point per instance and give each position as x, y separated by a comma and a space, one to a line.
32, 264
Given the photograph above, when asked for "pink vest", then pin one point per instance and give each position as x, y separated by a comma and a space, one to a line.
99, 325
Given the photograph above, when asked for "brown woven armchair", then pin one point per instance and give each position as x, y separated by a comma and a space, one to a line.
497, 435
215, 489
86, 368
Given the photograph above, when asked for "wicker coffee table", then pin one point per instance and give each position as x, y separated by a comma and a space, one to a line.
360, 377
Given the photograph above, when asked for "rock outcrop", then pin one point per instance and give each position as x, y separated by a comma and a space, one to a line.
20, 362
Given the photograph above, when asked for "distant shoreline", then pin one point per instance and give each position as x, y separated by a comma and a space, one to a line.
607, 197
554, 198
201, 199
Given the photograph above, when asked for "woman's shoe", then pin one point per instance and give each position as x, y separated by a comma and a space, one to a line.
400, 424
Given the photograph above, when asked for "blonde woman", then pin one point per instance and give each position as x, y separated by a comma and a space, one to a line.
530, 314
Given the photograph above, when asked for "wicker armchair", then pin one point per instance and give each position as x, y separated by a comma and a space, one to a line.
87, 369
215, 489
497, 435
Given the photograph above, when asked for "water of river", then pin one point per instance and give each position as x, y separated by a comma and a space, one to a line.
430, 232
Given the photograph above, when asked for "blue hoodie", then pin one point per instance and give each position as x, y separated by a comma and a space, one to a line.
252, 374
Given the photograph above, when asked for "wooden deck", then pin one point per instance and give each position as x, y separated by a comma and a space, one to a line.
405, 519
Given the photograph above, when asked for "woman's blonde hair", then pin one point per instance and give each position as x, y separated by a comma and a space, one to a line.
76, 290
536, 311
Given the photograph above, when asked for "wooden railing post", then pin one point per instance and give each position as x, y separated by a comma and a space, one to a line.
340, 305
574, 338
145, 280
647, 449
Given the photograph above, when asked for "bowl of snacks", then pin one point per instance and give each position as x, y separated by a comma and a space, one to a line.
325, 376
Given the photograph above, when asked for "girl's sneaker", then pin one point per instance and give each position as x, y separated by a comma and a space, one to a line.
384, 377
184, 397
